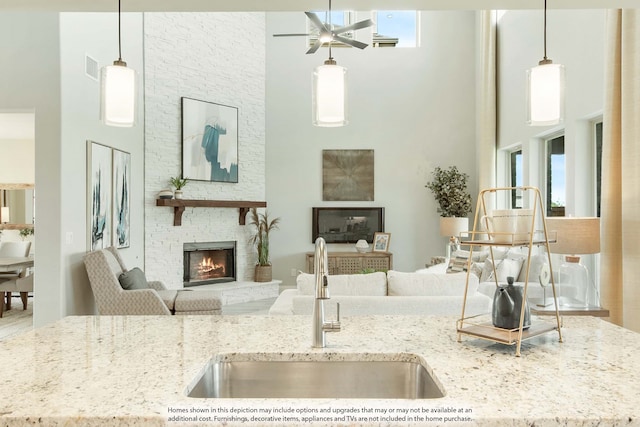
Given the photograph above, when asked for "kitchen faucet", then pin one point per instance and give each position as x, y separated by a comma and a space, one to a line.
320, 261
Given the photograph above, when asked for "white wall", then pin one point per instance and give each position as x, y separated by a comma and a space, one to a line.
96, 35
215, 57
575, 39
18, 167
414, 107
32, 83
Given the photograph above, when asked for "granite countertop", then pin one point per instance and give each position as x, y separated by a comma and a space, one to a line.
91, 371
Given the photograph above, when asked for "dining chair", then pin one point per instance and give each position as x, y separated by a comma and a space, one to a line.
17, 280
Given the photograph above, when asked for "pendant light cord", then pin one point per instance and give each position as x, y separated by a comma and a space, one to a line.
545, 29
120, 37
331, 30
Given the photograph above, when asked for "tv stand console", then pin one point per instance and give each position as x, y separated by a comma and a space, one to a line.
354, 262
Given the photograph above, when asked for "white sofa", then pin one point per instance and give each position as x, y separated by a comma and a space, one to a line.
378, 293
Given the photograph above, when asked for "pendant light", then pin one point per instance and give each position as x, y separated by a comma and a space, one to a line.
118, 90
329, 92
545, 89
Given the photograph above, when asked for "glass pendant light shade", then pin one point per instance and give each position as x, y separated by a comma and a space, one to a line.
118, 94
545, 94
330, 95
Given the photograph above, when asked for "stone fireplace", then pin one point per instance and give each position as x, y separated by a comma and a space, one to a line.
209, 262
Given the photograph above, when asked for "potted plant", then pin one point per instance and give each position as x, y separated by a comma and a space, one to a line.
179, 184
260, 240
26, 232
449, 187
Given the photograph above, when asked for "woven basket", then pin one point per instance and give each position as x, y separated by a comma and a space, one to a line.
263, 273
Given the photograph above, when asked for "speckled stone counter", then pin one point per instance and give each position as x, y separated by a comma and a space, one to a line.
106, 371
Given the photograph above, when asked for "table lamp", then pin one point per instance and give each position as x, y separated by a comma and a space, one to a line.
575, 236
452, 227
4, 214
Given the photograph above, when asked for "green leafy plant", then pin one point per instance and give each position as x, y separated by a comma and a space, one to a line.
26, 232
449, 187
179, 183
260, 239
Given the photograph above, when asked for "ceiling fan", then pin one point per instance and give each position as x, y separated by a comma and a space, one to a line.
328, 34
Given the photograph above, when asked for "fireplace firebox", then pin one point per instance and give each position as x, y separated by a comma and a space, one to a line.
209, 262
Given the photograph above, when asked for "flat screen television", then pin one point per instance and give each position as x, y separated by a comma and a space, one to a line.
346, 225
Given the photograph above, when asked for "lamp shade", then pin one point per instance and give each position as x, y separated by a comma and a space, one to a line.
575, 235
330, 95
545, 94
453, 226
118, 95
4, 214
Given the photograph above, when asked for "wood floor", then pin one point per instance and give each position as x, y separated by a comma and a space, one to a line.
17, 320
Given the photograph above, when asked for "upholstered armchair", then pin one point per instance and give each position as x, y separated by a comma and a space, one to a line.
105, 266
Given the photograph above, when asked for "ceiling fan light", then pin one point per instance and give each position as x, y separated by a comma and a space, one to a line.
118, 95
545, 94
325, 37
330, 95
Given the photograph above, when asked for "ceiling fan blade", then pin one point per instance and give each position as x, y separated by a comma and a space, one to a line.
358, 25
290, 35
350, 42
316, 21
315, 47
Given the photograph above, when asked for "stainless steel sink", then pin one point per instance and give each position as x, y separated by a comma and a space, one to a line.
358, 379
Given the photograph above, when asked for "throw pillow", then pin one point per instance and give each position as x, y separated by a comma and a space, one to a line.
504, 268
133, 279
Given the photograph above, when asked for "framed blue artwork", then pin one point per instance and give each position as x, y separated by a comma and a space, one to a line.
209, 141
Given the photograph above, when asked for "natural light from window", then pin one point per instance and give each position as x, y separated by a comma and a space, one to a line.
400, 24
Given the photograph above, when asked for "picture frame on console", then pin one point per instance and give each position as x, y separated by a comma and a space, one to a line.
346, 224
209, 141
381, 242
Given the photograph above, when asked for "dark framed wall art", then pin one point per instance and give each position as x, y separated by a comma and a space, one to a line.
347, 175
209, 141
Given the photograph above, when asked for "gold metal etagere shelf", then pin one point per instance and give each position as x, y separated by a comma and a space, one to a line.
478, 326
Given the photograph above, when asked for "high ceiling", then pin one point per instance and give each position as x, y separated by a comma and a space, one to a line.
298, 5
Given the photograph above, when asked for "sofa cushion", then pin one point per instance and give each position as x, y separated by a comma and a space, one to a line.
504, 268
399, 305
372, 284
133, 279
537, 261
420, 284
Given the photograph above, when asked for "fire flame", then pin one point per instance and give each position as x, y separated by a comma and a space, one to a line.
207, 266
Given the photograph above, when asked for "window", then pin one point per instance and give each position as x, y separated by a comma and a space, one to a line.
395, 28
556, 176
516, 173
598, 144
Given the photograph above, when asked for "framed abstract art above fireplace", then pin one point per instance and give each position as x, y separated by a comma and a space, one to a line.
209, 141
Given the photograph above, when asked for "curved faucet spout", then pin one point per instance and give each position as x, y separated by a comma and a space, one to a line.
320, 262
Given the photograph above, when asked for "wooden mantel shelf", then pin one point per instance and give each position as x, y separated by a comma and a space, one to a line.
179, 205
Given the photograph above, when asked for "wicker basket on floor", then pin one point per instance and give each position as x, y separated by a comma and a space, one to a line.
263, 273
